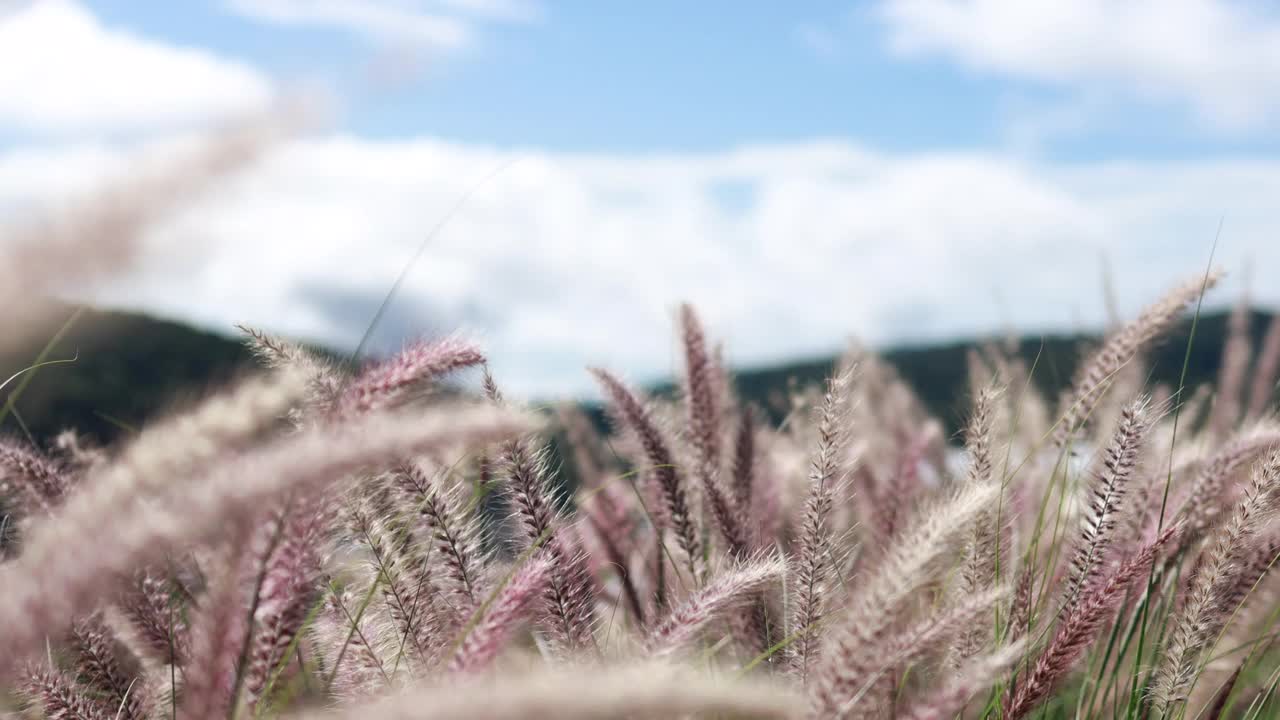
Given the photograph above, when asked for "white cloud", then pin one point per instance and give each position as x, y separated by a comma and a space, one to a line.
62, 71
562, 260
1219, 58
439, 25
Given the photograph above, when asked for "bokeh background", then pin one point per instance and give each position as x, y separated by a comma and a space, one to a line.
902, 171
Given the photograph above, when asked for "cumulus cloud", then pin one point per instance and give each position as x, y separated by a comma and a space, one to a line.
439, 25
564, 259
561, 260
62, 71
1219, 58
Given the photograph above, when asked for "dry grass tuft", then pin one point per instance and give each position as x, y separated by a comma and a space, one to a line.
329, 541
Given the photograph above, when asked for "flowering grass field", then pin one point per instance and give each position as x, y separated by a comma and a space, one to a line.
326, 540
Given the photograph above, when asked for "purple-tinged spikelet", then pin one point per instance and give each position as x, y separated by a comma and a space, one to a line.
609, 524
744, 460
353, 646
289, 590
1203, 612
812, 565
98, 665
878, 602
735, 586
570, 595
59, 698
701, 391
729, 520
925, 636
1023, 597
218, 634
36, 480
528, 492
404, 581
452, 531
1205, 504
61, 579
324, 376
893, 501
978, 569
1118, 463
1077, 630
150, 604
1255, 563
632, 412
1120, 348
386, 383
702, 397
500, 619
570, 602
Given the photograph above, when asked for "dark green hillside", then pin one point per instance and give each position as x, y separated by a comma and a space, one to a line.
939, 372
128, 367
131, 367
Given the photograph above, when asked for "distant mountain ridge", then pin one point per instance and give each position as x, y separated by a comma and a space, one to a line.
128, 367
939, 372
131, 367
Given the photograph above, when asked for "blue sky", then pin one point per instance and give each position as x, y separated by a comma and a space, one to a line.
899, 170
622, 76
669, 76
